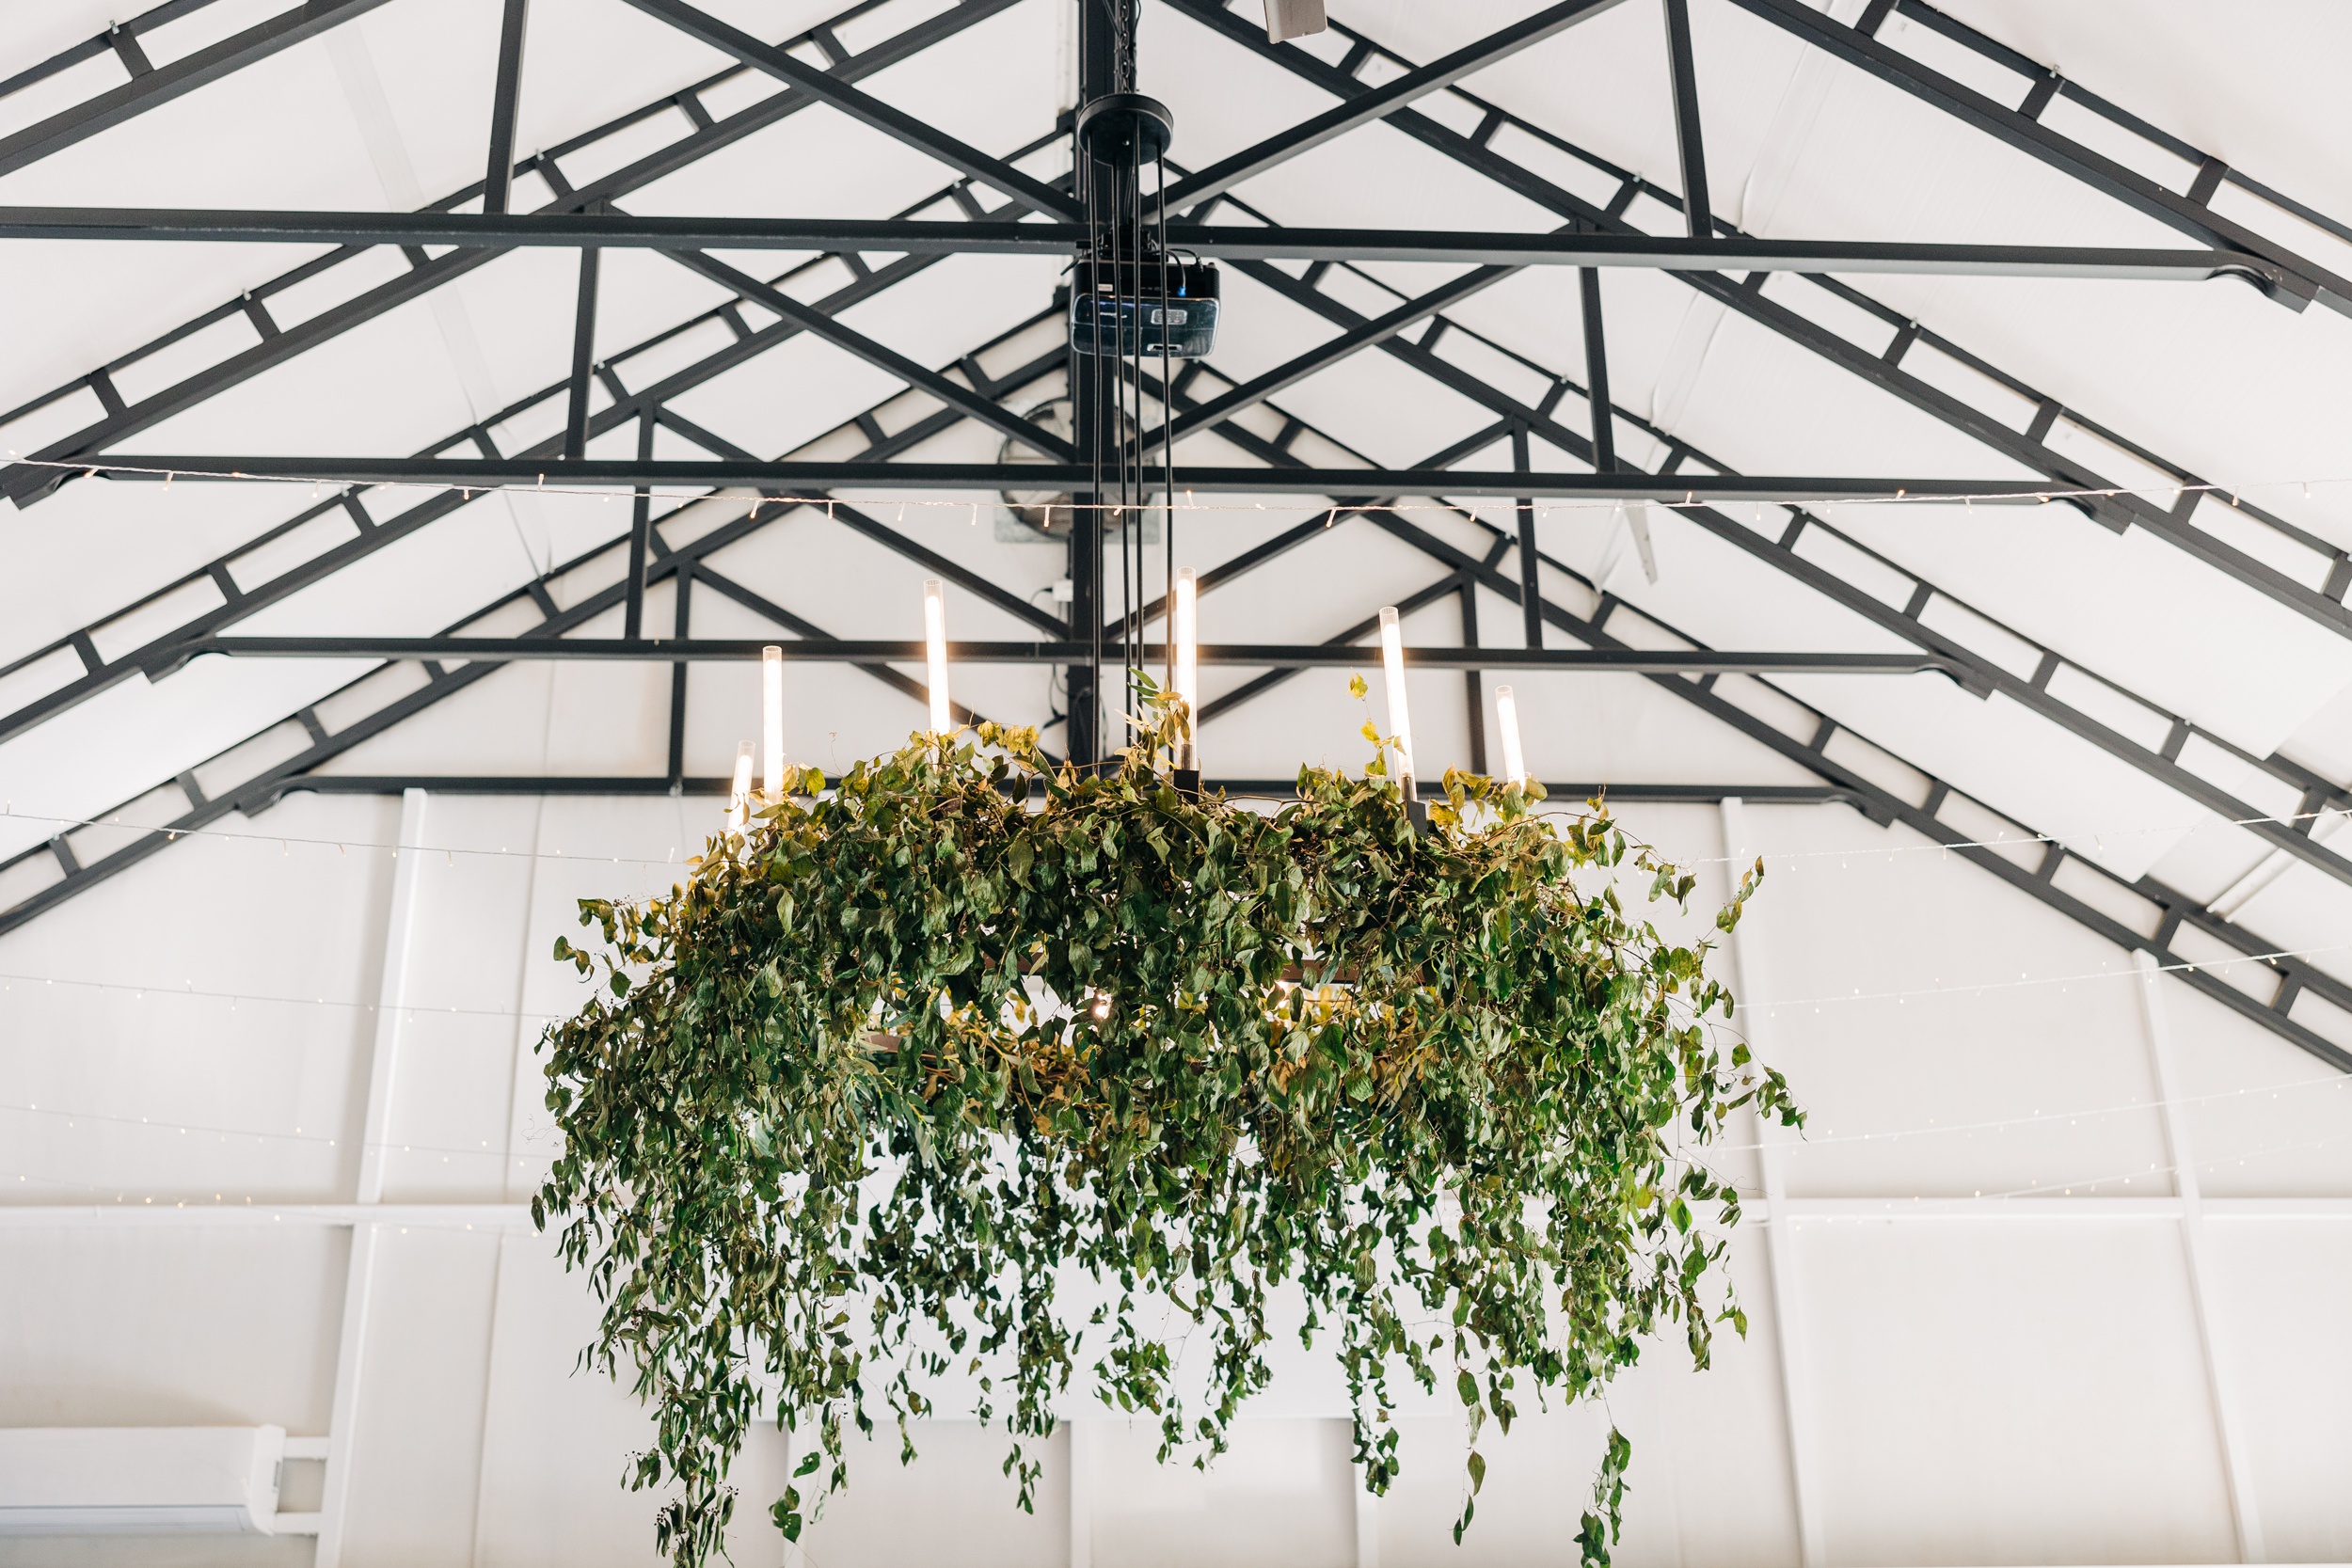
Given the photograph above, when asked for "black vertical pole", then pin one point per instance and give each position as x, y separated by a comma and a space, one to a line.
1476, 683
1098, 70
639, 533
684, 580
1686, 89
1530, 585
1596, 375
499, 182
583, 357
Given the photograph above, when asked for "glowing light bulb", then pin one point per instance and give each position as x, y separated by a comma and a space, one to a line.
935, 652
1507, 723
772, 719
1185, 622
1400, 716
740, 799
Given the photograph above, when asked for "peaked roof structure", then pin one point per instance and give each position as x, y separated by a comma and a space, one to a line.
1924, 412
1920, 356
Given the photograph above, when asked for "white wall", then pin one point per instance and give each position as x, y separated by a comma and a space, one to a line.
2016, 1377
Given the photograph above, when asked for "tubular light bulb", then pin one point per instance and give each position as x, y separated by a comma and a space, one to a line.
935, 652
740, 801
1507, 723
1400, 716
1188, 629
772, 719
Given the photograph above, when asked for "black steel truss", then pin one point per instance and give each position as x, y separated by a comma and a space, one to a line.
2282, 826
2330, 573
1737, 253
2285, 276
2021, 127
2173, 913
825, 650
150, 84
534, 468
708, 135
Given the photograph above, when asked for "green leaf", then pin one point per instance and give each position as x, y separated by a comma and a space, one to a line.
968, 1022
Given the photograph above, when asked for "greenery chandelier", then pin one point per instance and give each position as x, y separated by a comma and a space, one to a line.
897, 1057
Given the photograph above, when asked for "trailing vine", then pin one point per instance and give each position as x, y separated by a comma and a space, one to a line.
884, 1067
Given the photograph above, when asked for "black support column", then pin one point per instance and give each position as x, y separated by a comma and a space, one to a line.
1686, 91
1531, 580
1596, 375
1098, 73
583, 357
499, 179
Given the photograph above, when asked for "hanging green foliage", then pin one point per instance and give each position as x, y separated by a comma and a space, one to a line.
857, 1093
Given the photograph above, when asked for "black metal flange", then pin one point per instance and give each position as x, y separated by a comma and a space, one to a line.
1126, 130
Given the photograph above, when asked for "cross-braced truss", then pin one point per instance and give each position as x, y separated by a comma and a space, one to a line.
1542, 431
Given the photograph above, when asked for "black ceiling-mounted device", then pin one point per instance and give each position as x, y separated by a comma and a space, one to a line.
1155, 306
1126, 130
1129, 298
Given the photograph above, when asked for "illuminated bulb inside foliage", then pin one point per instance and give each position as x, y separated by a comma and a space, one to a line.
935, 652
739, 799
1400, 716
1507, 723
772, 719
1185, 622
1100, 1007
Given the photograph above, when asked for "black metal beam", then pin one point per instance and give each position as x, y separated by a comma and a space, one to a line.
583, 357
183, 75
639, 539
1531, 580
1596, 373
939, 565
1226, 173
2166, 909
2047, 77
1981, 674
498, 182
480, 473
1322, 356
921, 378
2027, 448
2304, 278
99, 44
1263, 655
23, 485
264, 787
1734, 253
256, 592
966, 159
1689, 150
1473, 681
